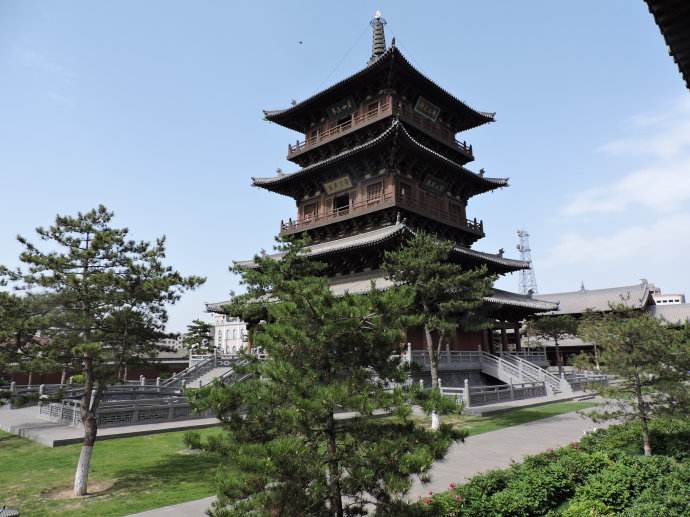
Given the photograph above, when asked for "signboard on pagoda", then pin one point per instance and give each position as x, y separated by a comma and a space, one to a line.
342, 108
435, 185
427, 109
338, 184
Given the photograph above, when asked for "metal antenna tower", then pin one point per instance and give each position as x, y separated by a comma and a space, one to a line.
528, 282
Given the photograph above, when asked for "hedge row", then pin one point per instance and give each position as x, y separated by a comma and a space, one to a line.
604, 475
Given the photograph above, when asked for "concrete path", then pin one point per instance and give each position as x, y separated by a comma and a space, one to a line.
497, 449
189, 509
27, 423
481, 453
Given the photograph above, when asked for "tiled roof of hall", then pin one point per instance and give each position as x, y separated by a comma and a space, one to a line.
289, 117
380, 235
397, 128
636, 296
360, 283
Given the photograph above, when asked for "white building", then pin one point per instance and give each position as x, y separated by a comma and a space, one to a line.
230, 334
171, 343
668, 299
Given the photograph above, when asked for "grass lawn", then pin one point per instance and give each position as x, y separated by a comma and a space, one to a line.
131, 475
484, 424
128, 475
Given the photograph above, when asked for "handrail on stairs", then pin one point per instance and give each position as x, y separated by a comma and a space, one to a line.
181, 375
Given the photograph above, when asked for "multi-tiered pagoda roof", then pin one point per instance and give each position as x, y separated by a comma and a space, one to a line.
380, 160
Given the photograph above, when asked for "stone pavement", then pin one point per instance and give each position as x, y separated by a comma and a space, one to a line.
27, 423
497, 449
481, 453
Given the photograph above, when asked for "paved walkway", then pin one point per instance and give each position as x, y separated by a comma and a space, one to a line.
26, 422
481, 453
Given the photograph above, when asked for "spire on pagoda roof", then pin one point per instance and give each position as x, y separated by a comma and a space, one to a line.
391, 63
378, 42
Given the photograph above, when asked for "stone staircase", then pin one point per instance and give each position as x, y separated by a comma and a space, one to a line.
513, 369
204, 371
207, 378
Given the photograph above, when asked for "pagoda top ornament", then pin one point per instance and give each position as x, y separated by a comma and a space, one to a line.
378, 43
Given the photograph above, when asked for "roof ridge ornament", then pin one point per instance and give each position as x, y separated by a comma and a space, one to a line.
378, 42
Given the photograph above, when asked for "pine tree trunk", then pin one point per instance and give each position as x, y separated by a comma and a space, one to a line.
433, 358
334, 471
433, 362
644, 417
559, 357
87, 408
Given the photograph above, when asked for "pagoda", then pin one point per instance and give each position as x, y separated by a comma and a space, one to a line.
379, 159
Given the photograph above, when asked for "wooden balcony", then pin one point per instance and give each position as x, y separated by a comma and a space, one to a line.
384, 201
383, 110
434, 129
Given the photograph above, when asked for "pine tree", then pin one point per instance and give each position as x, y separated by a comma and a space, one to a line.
21, 346
199, 336
649, 360
296, 450
446, 296
555, 328
110, 295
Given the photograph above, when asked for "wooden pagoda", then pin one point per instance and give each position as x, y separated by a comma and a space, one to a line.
379, 159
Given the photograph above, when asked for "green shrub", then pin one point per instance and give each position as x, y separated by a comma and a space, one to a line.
192, 439
616, 487
669, 437
77, 378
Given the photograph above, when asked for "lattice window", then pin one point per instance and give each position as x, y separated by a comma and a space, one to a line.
374, 192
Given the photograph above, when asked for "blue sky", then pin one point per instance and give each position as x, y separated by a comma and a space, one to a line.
154, 109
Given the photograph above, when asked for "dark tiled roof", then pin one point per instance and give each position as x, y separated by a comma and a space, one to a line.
501, 297
374, 237
673, 19
396, 128
360, 283
576, 302
474, 118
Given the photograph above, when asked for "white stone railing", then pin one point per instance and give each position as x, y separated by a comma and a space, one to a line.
472, 396
453, 359
134, 412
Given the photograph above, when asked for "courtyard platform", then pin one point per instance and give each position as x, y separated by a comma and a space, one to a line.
27, 423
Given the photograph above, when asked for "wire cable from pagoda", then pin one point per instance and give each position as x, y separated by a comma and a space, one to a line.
342, 59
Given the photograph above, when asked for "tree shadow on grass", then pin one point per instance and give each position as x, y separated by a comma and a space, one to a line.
173, 470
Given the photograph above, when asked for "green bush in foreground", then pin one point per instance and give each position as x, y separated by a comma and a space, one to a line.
604, 476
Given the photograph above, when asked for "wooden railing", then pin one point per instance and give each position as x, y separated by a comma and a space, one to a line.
358, 120
377, 203
360, 208
435, 129
441, 214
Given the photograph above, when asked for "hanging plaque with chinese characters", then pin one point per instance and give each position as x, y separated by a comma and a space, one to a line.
342, 108
427, 109
435, 185
338, 184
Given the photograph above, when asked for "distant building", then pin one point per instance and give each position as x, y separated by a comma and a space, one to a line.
171, 343
644, 296
668, 299
230, 334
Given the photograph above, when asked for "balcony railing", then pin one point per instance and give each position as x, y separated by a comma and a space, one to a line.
441, 214
435, 129
383, 201
324, 135
363, 207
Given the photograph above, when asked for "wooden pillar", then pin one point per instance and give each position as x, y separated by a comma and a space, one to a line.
518, 341
504, 338
485, 340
